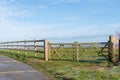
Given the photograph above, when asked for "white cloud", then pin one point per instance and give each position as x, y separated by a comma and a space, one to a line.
12, 32
21, 30
10, 8
56, 31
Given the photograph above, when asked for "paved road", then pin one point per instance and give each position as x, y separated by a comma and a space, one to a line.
13, 70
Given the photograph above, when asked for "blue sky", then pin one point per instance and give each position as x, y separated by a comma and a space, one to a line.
59, 20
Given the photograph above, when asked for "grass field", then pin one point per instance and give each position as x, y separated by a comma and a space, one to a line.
89, 67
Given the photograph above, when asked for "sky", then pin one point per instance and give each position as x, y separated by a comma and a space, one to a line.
59, 20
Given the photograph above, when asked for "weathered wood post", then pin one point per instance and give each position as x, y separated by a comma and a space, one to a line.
119, 50
49, 50
111, 47
7, 46
46, 50
3, 46
12, 46
0, 46
25, 48
35, 49
18, 46
76, 51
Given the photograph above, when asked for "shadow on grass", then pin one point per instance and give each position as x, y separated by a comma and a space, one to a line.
35, 57
21, 56
96, 61
91, 61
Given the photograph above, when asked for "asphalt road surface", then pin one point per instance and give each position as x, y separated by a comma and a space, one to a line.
11, 69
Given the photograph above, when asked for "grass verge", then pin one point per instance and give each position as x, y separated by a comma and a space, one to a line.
93, 69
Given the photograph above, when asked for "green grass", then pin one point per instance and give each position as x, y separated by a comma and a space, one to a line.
90, 66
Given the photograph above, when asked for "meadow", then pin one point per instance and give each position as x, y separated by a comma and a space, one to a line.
89, 67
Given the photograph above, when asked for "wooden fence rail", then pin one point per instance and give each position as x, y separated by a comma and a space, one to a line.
110, 46
27, 45
74, 47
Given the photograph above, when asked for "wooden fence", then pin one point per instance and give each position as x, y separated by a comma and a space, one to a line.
112, 48
105, 49
75, 50
60, 50
27, 45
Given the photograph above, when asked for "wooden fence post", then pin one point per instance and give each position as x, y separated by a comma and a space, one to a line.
119, 50
111, 47
49, 50
18, 46
0, 47
7, 46
35, 49
25, 48
46, 50
12, 46
77, 51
